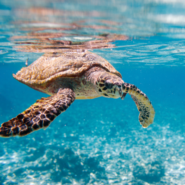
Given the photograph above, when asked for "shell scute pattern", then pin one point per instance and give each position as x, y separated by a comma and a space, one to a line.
52, 66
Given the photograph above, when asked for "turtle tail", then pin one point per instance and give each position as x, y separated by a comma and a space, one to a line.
143, 104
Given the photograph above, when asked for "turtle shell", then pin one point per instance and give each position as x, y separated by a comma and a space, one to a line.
54, 65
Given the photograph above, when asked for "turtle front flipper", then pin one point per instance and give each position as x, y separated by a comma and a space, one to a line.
143, 104
39, 115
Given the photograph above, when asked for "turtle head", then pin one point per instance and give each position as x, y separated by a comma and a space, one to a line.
110, 85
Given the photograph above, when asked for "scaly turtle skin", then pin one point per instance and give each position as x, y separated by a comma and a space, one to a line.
66, 77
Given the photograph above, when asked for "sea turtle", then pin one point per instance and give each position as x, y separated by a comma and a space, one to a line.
68, 76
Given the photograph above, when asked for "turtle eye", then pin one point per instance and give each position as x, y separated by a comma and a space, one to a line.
119, 86
108, 85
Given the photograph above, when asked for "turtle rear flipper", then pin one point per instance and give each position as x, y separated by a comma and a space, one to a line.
39, 115
143, 104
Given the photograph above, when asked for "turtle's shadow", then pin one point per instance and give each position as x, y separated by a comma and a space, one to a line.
63, 165
150, 172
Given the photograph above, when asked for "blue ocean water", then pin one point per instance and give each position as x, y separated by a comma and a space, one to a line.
97, 141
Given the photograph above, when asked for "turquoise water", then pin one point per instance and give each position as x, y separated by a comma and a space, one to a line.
97, 141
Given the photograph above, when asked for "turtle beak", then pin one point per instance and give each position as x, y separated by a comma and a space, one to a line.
123, 96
